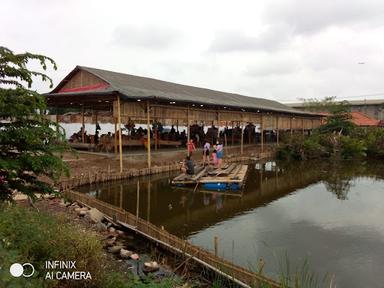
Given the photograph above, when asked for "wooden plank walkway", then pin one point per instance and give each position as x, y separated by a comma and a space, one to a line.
237, 274
234, 173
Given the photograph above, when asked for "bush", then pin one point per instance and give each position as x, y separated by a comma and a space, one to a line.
352, 147
375, 142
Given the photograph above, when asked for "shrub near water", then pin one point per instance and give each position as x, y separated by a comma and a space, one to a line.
28, 236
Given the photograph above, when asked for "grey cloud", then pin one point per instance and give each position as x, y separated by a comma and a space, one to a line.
148, 37
271, 39
307, 17
272, 67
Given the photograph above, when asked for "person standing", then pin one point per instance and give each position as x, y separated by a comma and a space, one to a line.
206, 148
191, 147
219, 154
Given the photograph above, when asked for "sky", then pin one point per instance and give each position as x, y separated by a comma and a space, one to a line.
283, 50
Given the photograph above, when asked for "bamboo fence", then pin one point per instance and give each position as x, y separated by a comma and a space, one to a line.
240, 275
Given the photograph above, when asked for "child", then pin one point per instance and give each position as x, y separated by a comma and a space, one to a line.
214, 156
191, 147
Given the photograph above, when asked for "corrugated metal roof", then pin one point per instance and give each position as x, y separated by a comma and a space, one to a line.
136, 87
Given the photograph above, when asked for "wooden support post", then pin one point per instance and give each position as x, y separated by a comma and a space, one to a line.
242, 139
82, 125
218, 125
277, 130
188, 131
290, 126
115, 136
149, 137
262, 133
216, 245
302, 125
120, 136
96, 114
155, 136
233, 135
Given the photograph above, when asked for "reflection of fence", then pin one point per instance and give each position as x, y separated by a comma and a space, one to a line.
236, 273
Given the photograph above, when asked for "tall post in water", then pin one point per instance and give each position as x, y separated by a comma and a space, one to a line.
120, 136
149, 137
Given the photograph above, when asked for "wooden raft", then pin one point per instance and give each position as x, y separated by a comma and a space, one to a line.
233, 173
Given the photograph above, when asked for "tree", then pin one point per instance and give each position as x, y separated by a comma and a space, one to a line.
30, 145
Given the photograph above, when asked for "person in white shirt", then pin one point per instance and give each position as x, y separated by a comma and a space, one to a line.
206, 148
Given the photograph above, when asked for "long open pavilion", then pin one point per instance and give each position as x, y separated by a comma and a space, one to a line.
141, 100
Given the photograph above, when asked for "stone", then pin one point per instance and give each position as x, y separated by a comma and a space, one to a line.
115, 249
100, 226
125, 254
77, 209
151, 266
110, 241
135, 256
82, 213
119, 232
95, 215
112, 230
84, 209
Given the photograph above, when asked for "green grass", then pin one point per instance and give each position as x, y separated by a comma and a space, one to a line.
29, 236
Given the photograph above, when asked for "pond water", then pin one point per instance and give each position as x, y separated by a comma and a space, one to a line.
328, 213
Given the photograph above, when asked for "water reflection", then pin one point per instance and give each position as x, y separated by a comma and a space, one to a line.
291, 207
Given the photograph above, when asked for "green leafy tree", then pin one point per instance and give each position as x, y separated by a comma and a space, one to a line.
30, 144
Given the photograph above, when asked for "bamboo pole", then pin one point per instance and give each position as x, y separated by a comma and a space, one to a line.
242, 139
120, 136
262, 133
82, 125
148, 137
188, 130
115, 136
277, 130
233, 135
218, 125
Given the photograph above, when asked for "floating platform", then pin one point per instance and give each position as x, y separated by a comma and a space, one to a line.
230, 177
